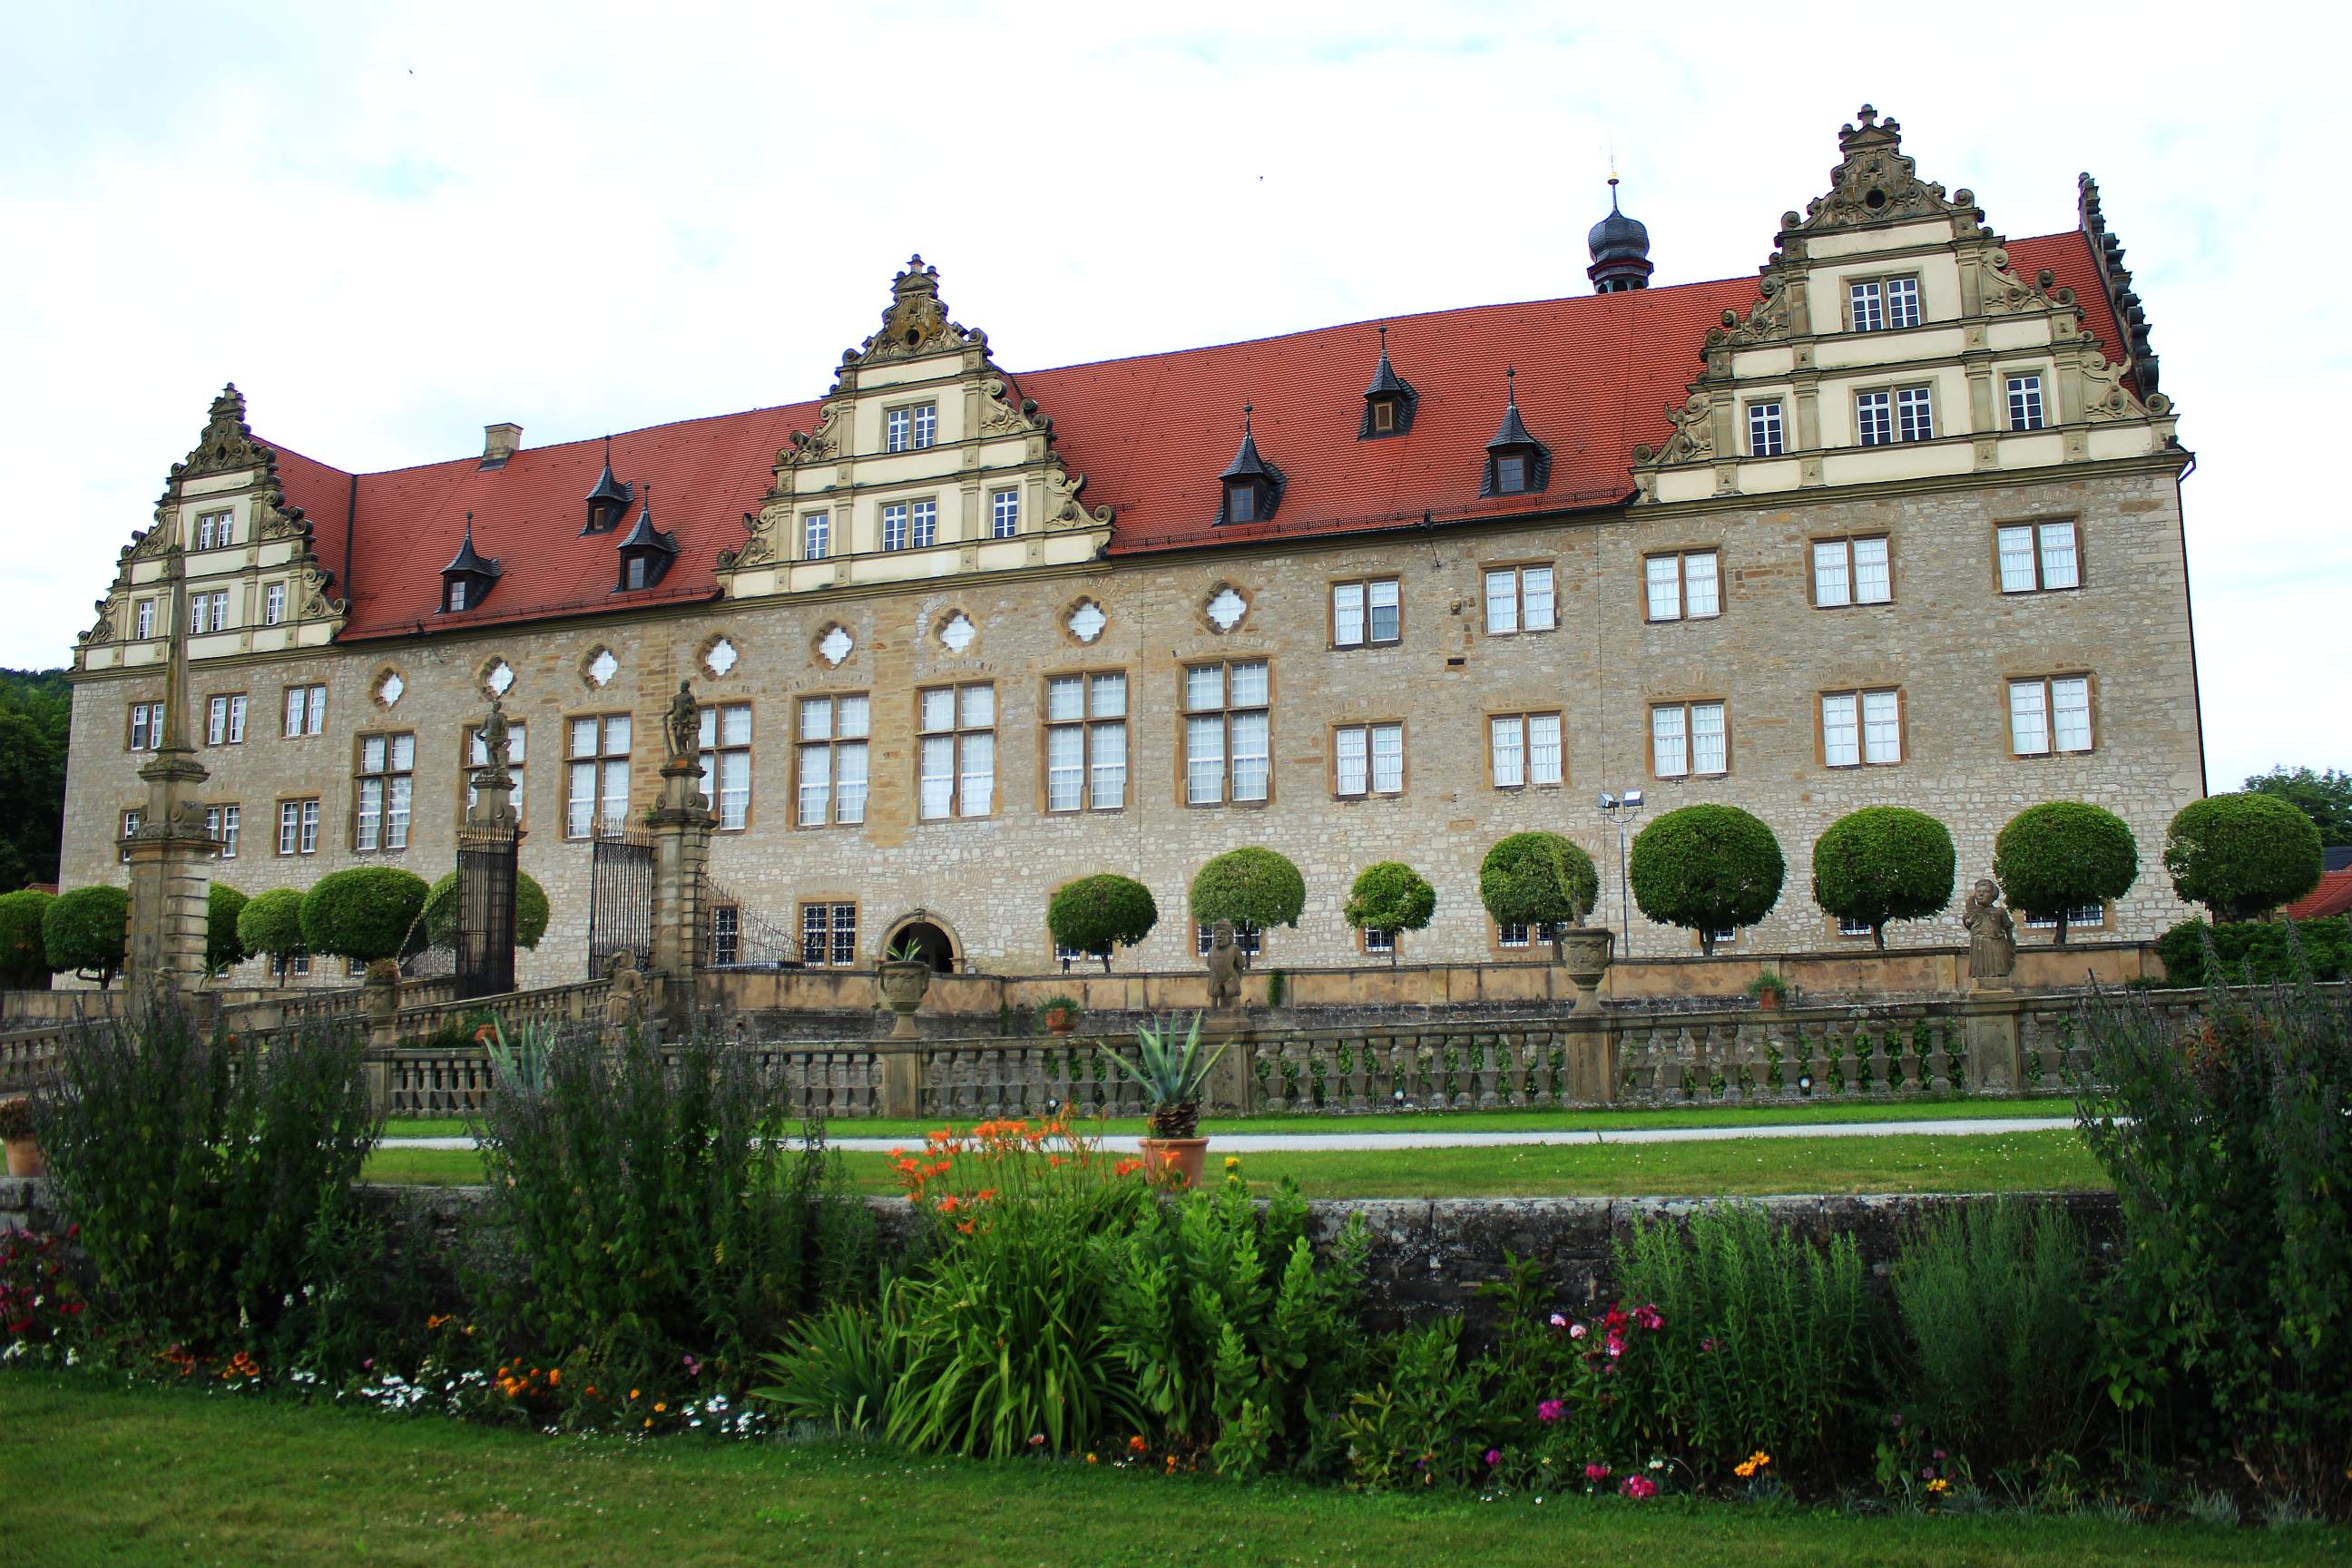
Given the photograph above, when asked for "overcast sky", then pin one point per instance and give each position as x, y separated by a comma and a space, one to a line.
393, 225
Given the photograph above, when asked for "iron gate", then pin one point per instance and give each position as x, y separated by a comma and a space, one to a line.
486, 910
620, 899
735, 936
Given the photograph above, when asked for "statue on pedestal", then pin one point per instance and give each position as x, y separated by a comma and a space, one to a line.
624, 1002
1992, 935
684, 724
1227, 960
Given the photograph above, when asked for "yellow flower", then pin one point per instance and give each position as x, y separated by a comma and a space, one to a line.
1940, 1485
1233, 1162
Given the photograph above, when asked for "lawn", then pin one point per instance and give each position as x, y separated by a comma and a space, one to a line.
99, 1475
1979, 1163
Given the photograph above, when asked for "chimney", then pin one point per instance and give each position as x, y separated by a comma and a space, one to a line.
500, 442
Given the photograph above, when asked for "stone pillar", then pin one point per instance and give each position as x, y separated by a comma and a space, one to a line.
1993, 1065
682, 825
170, 855
488, 846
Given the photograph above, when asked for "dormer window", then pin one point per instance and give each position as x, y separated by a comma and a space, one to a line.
1516, 463
609, 501
1388, 402
468, 577
1252, 486
647, 552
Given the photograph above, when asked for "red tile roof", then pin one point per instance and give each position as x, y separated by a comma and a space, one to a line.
1596, 374
2332, 897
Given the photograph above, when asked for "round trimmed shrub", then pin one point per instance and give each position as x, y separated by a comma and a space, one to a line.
2060, 854
1095, 914
364, 913
24, 958
1884, 863
441, 912
1538, 880
1254, 887
1706, 868
270, 926
84, 931
2241, 856
224, 948
1389, 896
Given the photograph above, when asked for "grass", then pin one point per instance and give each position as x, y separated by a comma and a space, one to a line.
1979, 1163
103, 1476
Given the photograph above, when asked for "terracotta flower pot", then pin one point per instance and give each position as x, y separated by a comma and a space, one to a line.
1061, 1021
1767, 1000
1175, 1161
26, 1158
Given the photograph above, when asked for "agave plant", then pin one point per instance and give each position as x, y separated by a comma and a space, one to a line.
1171, 1073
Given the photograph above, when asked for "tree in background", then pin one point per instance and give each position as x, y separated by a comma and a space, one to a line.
1391, 896
363, 914
2062, 853
2241, 856
1095, 914
1254, 887
24, 958
2324, 797
84, 931
1884, 863
532, 911
1537, 880
270, 926
223, 949
36, 714
1706, 868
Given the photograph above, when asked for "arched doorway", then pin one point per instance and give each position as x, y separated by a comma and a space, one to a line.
931, 944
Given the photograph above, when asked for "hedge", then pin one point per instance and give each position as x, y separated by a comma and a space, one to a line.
1538, 880
2257, 951
364, 913
1095, 914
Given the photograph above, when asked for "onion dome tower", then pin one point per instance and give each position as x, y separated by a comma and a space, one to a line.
1621, 250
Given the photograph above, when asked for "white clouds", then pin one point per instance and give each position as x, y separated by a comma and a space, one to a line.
390, 229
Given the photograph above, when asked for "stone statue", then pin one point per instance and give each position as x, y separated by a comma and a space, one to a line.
624, 1002
494, 737
1227, 959
1992, 935
685, 724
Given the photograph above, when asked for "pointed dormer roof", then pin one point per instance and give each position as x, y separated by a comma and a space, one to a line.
645, 535
1386, 382
1248, 464
608, 488
1392, 389
1513, 431
470, 561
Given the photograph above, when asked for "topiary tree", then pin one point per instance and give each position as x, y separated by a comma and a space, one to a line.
1095, 914
1391, 896
1538, 879
2241, 856
270, 926
83, 931
1706, 868
2059, 855
1254, 887
1884, 863
440, 925
223, 949
364, 913
24, 958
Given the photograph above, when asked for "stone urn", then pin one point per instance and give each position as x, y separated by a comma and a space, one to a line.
1584, 953
1174, 1162
903, 982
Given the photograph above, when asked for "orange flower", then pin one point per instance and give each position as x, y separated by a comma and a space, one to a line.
965, 1227
1135, 1445
555, 1376
660, 1408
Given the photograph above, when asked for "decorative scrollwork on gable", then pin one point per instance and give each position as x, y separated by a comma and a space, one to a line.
2002, 293
2104, 395
916, 322
1874, 183
1769, 320
103, 630
1063, 507
1005, 412
1693, 438
227, 442
821, 446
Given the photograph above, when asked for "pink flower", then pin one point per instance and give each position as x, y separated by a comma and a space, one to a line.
1494, 1457
1639, 1488
1649, 1316
1550, 1410
1596, 1472
1576, 1332
1616, 1346
1939, 1452
1559, 1321
1706, 1347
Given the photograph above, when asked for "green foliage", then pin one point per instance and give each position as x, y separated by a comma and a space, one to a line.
1255, 888
1411, 1427
223, 949
207, 1175
1097, 914
1994, 1304
2230, 1317
835, 1370
530, 911
2258, 953
35, 715
1277, 988
2324, 797
2060, 854
2241, 856
24, 956
1391, 896
1884, 863
1171, 1073
84, 931
1706, 868
1537, 879
364, 913
270, 926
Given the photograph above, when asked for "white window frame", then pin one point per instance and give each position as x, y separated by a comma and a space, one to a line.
222, 824
273, 603
146, 726
1685, 734
1216, 778
894, 525
816, 536
2039, 547
1687, 604
1368, 759
383, 792
144, 619
1914, 413
2027, 410
1862, 728
596, 775
922, 523
1847, 568
298, 826
724, 750
1874, 417
1356, 608
306, 710
2048, 703
1004, 514
961, 719
833, 759
1767, 431
1521, 613
1085, 741
1516, 750
836, 925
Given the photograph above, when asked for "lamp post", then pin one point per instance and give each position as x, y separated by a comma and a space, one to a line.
1620, 810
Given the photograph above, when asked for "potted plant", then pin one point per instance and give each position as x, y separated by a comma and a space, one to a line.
17, 1128
1769, 988
904, 975
1061, 1014
1171, 1073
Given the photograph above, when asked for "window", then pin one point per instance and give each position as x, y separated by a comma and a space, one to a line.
478, 755
1377, 940
1226, 716
727, 763
1510, 473
894, 526
596, 780
911, 430
273, 603
306, 709
1852, 571
726, 935
2077, 916
2038, 556
1249, 939
958, 774
458, 590
1085, 741
1684, 587
1764, 430
1859, 727
131, 821
1915, 415
1519, 599
146, 726
829, 935
1524, 749
1515, 935
298, 826
816, 536
1874, 417
220, 826
1004, 514
1368, 759
225, 720
215, 531
1686, 740
926, 524
832, 768
386, 777
1383, 411
1241, 503
208, 612
1723, 937
144, 618
2025, 403
1847, 926
2050, 714
1880, 303
1364, 613
1902, 302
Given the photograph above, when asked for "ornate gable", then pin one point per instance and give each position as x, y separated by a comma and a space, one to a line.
1875, 183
